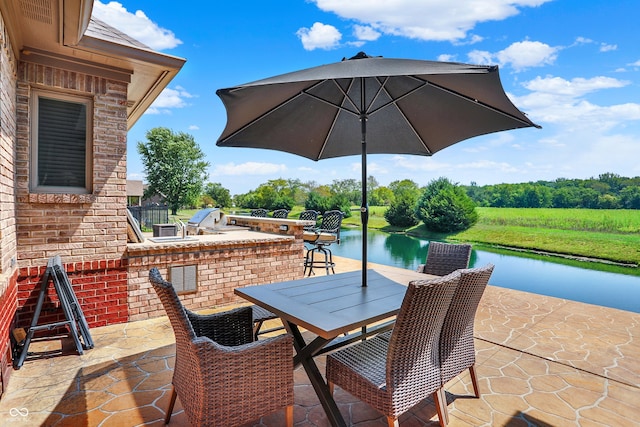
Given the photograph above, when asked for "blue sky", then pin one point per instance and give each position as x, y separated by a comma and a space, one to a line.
573, 66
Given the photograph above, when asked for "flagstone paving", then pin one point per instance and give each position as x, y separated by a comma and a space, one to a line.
541, 361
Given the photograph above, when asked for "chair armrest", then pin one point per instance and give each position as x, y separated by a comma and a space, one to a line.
229, 328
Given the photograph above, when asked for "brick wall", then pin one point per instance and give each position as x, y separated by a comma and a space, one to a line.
8, 65
100, 286
78, 227
221, 267
88, 231
8, 305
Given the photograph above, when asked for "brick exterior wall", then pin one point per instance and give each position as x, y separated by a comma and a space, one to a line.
78, 227
8, 265
221, 267
100, 286
88, 231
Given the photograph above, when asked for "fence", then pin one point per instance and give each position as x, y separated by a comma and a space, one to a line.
149, 215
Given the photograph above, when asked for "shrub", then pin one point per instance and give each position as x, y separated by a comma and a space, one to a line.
401, 212
445, 207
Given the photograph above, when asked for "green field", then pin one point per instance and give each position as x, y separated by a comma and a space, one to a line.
601, 220
610, 235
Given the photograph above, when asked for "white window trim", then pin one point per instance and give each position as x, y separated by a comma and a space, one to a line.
36, 94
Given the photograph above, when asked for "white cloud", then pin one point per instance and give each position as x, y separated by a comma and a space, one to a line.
136, 25
194, 127
519, 55
481, 57
319, 36
560, 101
365, 32
604, 47
426, 19
575, 87
446, 58
635, 64
527, 54
169, 98
248, 168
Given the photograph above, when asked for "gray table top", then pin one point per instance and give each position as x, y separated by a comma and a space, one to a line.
333, 304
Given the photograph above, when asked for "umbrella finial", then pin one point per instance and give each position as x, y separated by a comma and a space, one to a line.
359, 55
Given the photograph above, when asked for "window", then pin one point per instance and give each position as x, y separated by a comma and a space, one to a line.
61, 147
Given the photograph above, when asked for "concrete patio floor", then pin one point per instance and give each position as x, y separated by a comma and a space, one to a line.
541, 361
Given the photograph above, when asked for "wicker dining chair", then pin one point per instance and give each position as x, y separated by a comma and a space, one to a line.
457, 351
394, 375
222, 377
445, 258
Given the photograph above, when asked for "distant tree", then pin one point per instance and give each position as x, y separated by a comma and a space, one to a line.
608, 201
630, 197
174, 165
402, 210
220, 196
351, 188
381, 196
445, 207
401, 213
317, 202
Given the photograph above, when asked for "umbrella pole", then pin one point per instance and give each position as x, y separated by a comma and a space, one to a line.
364, 210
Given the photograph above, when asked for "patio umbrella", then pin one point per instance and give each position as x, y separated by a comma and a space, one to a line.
367, 105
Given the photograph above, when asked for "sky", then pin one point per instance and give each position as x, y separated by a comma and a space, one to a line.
573, 66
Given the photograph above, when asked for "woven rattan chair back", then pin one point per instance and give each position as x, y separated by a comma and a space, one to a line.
394, 373
280, 213
214, 379
261, 213
413, 360
457, 351
445, 258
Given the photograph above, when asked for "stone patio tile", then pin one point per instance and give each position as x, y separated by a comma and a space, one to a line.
600, 340
504, 315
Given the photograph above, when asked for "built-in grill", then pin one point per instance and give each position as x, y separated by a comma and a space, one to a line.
206, 220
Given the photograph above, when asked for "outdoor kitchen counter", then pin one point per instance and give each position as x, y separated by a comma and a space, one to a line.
219, 263
220, 238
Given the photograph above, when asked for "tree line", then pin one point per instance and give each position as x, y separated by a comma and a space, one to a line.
607, 191
175, 169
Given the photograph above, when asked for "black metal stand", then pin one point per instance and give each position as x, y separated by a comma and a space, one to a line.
327, 264
74, 316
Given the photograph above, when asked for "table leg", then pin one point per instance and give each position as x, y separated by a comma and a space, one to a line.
304, 356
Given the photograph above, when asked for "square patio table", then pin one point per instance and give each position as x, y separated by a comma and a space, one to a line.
330, 306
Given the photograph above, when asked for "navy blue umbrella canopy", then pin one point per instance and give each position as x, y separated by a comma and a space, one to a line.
369, 105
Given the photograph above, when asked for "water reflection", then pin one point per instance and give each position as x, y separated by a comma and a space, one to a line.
593, 283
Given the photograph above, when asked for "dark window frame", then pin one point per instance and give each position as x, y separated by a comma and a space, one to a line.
61, 155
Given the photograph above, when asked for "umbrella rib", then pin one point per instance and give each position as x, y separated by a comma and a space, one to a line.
394, 101
268, 112
340, 107
482, 104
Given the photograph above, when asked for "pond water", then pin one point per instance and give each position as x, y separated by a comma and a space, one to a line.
593, 283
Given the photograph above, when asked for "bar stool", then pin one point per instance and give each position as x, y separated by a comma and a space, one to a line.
320, 239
